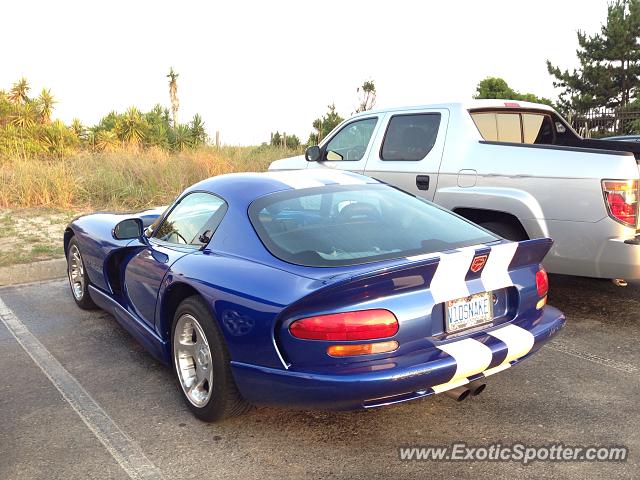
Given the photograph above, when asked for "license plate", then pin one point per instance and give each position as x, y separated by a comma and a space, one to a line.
469, 311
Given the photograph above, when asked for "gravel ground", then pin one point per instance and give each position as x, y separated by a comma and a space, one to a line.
581, 389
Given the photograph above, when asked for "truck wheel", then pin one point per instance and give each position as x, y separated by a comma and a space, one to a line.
506, 230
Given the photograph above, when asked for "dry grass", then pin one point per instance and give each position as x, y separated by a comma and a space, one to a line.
123, 180
32, 234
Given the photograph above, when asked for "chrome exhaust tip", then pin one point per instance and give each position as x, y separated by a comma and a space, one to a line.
458, 394
477, 388
619, 282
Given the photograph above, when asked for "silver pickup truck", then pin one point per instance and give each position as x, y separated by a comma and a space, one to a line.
516, 168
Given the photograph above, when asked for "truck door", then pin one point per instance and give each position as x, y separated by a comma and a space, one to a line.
349, 147
409, 152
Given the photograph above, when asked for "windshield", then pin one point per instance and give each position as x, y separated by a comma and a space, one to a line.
347, 225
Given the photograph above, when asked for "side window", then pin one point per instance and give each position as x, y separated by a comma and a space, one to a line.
508, 125
193, 220
410, 137
537, 129
486, 123
350, 143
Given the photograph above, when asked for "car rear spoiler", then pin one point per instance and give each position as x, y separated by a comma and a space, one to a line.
445, 274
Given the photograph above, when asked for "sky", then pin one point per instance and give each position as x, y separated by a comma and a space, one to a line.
253, 67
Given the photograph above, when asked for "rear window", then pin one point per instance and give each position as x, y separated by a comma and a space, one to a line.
347, 225
515, 127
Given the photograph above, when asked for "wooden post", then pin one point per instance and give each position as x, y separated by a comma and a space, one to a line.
284, 139
217, 138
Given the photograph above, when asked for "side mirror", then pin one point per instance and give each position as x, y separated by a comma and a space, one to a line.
128, 229
312, 154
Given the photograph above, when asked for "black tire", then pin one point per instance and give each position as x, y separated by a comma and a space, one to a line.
80, 292
224, 398
506, 230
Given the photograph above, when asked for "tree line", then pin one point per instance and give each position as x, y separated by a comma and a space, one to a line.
27, 128
608, 75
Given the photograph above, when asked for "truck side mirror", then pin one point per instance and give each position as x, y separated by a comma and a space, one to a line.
312, 154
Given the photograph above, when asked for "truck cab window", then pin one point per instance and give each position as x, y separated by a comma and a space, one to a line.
410, 137
351, 142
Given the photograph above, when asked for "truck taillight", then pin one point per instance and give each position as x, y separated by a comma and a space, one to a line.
621, 197
358, 325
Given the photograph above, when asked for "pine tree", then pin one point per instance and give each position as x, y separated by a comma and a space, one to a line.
609, 73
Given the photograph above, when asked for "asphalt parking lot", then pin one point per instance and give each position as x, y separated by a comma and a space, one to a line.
582, 389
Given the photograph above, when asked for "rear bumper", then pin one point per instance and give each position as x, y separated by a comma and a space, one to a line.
373, 384
604, 249
620, 258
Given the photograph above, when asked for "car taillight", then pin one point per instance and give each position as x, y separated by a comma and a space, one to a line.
542, 285
542, 282
353, 350
359, 325
621, 197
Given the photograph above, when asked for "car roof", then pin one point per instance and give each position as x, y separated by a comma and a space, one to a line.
249, 186
465, 105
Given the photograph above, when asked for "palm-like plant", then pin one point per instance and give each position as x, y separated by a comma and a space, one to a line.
181, 138
46, 102
158, 136
198, 132
78, 129
19, 91
131, 127
173, 95
55, 138
25, 116
106, 141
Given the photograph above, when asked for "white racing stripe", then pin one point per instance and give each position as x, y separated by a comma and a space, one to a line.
519, 341
295, 179
499, 368
123, 449
495, 274
472, 357
298, 179
340, 177
443, 387
448, 282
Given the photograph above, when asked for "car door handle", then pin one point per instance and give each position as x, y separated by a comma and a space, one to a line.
422, 182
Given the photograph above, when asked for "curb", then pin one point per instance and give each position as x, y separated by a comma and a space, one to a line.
33, 272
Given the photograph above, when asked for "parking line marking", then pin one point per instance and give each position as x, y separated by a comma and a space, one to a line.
123, 449
606, 362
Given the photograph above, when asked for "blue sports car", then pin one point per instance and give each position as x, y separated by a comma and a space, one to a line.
313, 289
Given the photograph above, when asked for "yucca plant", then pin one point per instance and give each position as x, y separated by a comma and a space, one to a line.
46, 103
131, 127
198, 132
19, 91
78, 129
106, 141
181, 138
25, 116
